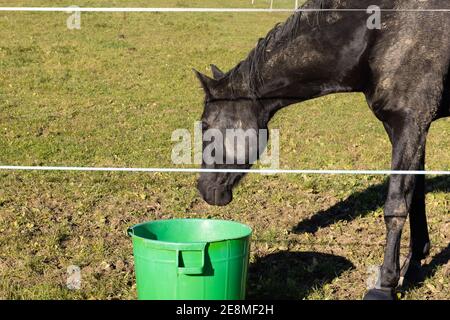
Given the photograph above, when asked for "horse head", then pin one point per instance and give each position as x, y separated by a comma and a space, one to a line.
231, 140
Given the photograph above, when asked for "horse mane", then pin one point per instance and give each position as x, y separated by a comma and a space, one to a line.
280, 35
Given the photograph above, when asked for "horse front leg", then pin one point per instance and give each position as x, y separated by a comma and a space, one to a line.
408, 144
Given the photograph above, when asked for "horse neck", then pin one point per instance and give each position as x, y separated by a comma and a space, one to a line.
320, 60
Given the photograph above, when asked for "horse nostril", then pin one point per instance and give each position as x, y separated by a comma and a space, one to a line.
217, 196
221, 196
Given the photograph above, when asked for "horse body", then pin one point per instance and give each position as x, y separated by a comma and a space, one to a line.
410, 61
402, 69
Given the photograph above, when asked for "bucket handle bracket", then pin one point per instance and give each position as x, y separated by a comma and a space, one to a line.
192, 247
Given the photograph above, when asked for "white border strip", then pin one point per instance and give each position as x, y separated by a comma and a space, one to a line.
79, 9
193, 170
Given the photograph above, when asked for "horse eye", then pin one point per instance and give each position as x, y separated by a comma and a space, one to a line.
204, 126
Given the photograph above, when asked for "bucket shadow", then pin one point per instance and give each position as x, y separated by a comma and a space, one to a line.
360, 204
292, 275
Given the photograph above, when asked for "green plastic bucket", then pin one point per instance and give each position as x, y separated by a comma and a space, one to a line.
191, 259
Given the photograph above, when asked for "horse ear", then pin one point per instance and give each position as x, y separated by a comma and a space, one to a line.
217, 73
206, 82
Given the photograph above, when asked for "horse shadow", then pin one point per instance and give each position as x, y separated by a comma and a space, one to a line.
429, 270
360, 204
371, 199
292, 275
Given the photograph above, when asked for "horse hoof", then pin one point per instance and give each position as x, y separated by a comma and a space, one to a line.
380, 294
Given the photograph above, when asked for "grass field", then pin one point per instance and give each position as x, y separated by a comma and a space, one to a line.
111, 94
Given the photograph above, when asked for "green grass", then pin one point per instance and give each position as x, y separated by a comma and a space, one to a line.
111, 94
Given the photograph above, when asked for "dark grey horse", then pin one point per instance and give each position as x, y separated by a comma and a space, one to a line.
402, 68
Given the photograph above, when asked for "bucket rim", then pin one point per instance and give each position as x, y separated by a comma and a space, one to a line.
131, 233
